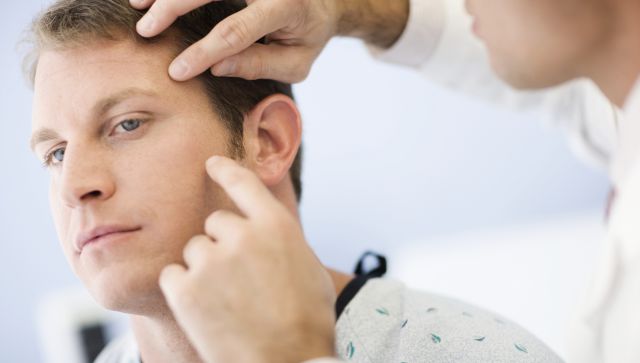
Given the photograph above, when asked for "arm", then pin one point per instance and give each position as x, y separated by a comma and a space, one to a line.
377, 22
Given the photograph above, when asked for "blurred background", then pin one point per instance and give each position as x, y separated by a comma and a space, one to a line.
465, 199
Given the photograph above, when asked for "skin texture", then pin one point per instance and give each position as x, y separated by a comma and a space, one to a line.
545, 39
154, 179
179, 134
549, 42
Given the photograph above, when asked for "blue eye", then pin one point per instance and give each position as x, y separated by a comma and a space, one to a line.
58, 154
130, 125
54, 157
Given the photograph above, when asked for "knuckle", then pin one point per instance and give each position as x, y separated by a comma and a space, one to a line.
170, 281
263, 68
198, 53
258, 67
213, 218
213, 221
258, 13
194, 248
234, 32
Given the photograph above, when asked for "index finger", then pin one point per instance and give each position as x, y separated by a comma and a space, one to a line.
163, 13
244, 187
229, 37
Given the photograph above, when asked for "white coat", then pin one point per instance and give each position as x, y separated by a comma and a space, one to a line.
439, 44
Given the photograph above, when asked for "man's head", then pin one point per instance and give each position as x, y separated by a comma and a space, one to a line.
541, 43
126, 146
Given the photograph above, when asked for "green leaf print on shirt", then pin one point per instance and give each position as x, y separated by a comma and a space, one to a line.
382, 311
351, 350
478, 338
521, 348
436, 339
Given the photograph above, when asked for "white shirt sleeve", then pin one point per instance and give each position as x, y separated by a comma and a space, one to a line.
439, 44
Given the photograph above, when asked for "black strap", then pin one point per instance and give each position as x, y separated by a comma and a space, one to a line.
362, 276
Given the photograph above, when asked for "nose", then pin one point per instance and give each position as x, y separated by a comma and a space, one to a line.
86, 177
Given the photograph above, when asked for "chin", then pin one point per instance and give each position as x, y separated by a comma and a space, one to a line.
526, 77
129, 292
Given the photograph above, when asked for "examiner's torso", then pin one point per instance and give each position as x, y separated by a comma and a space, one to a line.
607, 324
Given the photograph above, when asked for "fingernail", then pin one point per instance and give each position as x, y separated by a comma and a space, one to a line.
224, 69
178, 69
145, 25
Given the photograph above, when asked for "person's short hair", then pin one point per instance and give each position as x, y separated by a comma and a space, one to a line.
72, 23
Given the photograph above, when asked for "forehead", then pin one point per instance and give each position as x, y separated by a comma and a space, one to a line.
68, 82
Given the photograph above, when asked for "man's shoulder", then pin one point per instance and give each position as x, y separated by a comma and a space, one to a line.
121, 350
386, 321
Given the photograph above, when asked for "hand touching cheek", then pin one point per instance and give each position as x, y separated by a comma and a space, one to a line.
252, 289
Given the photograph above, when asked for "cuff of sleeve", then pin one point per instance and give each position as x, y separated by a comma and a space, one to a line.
420, 36
324, 360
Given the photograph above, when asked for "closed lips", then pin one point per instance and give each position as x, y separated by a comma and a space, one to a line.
95, 233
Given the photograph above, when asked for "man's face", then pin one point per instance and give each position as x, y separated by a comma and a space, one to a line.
127, 149
540, 43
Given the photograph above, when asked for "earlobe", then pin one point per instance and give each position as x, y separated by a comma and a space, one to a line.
273, 133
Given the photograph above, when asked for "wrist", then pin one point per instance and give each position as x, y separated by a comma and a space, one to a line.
377, 22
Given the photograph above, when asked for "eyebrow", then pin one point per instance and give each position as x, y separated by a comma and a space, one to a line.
99, 109
43, 135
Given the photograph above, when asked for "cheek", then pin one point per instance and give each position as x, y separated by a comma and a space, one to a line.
59, 213
171, 184
62, 221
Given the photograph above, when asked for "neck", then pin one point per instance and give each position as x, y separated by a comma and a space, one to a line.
161, 340
615, 67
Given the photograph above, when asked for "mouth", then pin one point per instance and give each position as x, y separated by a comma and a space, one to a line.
102, 234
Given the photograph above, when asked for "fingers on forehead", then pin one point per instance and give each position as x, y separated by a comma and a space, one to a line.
163, 13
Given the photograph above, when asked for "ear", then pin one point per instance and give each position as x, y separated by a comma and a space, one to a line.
272, 137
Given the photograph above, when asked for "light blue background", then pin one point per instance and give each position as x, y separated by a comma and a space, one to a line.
389, 159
